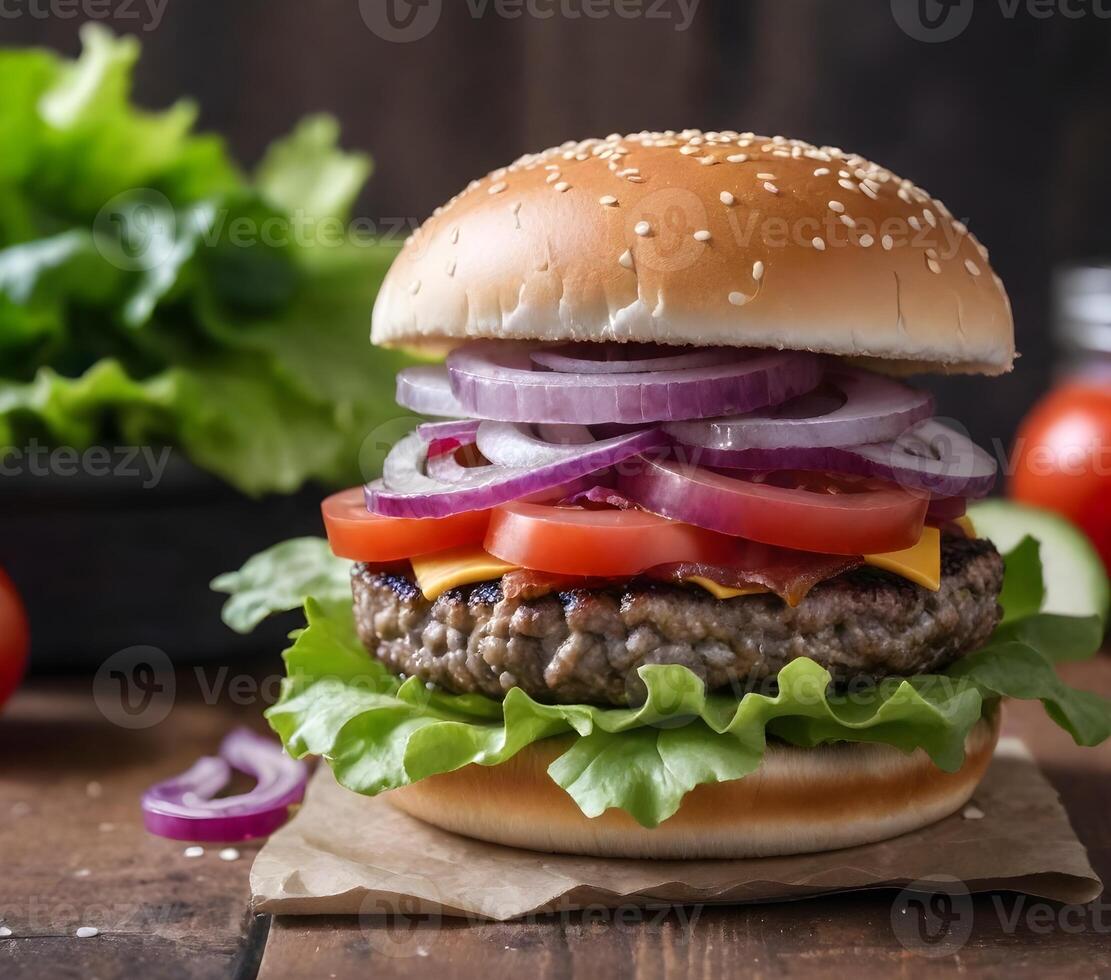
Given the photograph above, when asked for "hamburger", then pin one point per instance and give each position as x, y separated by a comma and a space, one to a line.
674, 564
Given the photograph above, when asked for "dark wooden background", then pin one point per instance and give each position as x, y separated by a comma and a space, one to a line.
1010, 123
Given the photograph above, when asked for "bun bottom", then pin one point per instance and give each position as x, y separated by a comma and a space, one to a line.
798, 801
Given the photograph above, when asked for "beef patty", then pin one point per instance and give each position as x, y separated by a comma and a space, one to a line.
584, 645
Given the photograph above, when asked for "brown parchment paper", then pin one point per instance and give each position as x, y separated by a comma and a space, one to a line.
348, 854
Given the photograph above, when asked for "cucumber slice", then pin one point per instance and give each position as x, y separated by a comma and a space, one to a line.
1075, 580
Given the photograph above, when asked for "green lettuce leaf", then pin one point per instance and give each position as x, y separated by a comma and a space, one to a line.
378, 732
151, 290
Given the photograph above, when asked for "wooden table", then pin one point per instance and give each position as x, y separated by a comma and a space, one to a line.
73, 853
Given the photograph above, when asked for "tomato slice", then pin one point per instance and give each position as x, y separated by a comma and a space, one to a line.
804, 511
15, 638
354, 532
603, 543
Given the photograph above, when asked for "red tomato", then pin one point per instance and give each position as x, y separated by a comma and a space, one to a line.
1062, 458
353, 532
604, 543
15, 638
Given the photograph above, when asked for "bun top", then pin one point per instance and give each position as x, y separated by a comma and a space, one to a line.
708, 239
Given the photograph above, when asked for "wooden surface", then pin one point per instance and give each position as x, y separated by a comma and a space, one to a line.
74, 853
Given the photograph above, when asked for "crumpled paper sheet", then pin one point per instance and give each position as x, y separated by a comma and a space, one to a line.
349, 854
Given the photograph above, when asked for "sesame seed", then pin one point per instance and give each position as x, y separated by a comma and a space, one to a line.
738, 299
819, 244
497, 188
737, 158
972, 267
972, 813
552, 178
608, 201
727, 199
930, 217
702, 236
960, 227
635, 179
888, 243
87, 932
869, 191
193, 852
643, 228
5, 932
837, 207
689, 150
848, 184
847, 221
707, 161
626, 259
451, 268
562, 187
867, 241
904, 195
229, 854
455, 236
414, 288
765, 176
914, 223
934, 265
770, 187
822, 172
757, 270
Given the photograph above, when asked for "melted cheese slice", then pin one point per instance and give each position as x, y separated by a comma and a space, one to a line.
966, 525
921, 563
444, 570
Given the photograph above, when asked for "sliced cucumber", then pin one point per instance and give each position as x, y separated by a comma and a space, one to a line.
1075, 580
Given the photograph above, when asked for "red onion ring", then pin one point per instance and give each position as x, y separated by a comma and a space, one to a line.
461, 431
184, 808
427, 390
615, 359
495, 380
929, 458
874, 409
408, 490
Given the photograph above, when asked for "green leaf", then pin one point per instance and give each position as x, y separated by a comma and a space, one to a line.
306, 173
1023, 587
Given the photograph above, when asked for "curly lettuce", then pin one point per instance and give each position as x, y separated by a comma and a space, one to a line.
378, 732
154, 293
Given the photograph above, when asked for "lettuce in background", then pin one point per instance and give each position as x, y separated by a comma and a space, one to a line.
151, 292
378, 732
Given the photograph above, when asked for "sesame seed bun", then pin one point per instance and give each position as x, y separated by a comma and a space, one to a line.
707, 239
798, 801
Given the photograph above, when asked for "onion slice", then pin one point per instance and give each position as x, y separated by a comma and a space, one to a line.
185, 807
409, 489
873, 520
929, 458
427, 389
851, 408
495, 380
462, 431
624, 359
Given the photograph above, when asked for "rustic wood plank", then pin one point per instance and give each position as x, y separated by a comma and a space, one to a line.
75, 852
821, 937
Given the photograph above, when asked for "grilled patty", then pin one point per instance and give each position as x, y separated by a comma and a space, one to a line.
584, 645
